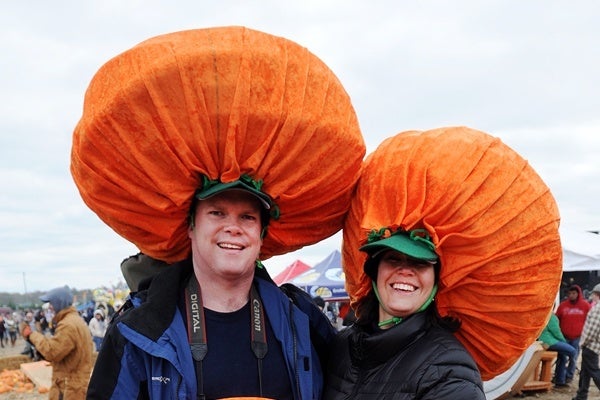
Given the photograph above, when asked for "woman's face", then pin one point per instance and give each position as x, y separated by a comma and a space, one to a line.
404, 284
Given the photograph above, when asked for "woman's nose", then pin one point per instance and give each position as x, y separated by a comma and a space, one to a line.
405, 268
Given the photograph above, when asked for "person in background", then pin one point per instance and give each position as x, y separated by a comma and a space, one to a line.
215, 325
571, 314
98, 327
594, 296
553, 339
29, 350
11, 328
399, 346
69, 349
40, 321
49, 317
590, 349
2, 331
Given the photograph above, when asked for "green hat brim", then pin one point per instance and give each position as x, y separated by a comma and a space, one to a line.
403, 244
235, 185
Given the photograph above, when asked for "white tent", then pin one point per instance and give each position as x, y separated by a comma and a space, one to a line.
581, 250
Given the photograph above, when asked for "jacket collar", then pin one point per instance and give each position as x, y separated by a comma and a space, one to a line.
159, 298
371, 349
63, 313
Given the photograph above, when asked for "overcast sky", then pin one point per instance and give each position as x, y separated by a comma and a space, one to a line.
527, 72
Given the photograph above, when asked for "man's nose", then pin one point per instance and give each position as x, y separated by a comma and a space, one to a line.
232, 225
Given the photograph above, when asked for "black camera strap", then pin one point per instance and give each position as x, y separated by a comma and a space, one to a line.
196, 325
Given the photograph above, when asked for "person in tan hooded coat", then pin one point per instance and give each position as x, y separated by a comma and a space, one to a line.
69, 349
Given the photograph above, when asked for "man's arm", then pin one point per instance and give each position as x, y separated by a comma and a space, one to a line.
591, 329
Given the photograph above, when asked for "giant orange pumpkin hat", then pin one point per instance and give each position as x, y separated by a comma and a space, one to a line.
494, 224
220, 103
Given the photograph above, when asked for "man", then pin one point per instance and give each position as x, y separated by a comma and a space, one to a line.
69, 349
29, 350
590, 348
571, 313
215, 325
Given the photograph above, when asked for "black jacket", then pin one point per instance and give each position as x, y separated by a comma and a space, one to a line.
413, 360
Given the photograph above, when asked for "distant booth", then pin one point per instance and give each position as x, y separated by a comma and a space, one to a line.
581, 260
326, 279
290, 272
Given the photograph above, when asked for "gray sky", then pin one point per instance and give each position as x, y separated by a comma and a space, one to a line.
527, 72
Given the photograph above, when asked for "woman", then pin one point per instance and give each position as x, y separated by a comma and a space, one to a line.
98, 327
553, 339
399, 347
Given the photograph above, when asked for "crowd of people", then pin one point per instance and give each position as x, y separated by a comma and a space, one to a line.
41, 320
574, 329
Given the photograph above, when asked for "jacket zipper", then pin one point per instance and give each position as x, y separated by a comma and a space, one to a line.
298, 394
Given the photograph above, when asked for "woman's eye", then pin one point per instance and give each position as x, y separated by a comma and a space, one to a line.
395, 260
401, 261
422, 265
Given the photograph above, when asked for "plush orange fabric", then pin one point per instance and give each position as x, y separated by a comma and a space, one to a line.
220, 102
494, 223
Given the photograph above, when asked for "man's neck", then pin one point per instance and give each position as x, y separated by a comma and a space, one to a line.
224, 295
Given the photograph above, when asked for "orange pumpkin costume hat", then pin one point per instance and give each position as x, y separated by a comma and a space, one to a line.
494, 224
221, 103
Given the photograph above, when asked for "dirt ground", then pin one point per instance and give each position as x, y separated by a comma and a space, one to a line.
554, 394
566, 393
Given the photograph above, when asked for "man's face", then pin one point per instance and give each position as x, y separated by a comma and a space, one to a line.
572, 294
226, 235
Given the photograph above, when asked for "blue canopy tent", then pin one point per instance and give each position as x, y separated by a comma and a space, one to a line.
325, 279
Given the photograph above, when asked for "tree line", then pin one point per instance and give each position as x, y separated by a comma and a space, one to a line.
19, 301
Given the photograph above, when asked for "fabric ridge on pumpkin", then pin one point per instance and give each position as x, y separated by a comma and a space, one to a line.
219, 102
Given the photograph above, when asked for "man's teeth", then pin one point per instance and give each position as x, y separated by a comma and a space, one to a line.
404, 286
230, 246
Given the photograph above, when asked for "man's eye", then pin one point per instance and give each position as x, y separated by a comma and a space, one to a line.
396, 260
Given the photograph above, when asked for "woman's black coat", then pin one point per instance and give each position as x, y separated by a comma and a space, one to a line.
412, 360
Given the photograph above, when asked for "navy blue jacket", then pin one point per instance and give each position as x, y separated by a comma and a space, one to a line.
146, 354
